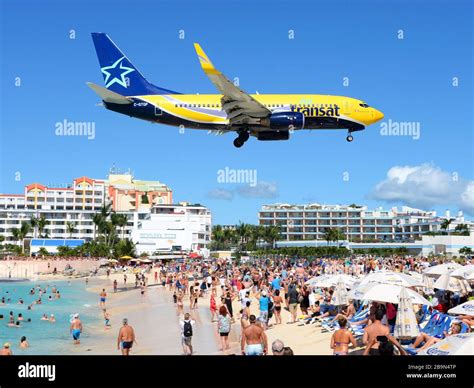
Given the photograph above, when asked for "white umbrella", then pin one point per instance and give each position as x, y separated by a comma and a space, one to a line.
332, 280
316, 279
466, 272
391, 293
458, 344
467, 308
358, 292
448, 283
390, 277
406, 325
340, 297
441, 269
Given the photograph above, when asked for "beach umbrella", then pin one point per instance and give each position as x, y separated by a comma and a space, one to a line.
449, 283
406, 325
332, 280
147, 261
358, 292
458, 344
441, 269
340, 297
466, 272
113, 261
467, 308
391, 293
316, 279
126, 257
390, 277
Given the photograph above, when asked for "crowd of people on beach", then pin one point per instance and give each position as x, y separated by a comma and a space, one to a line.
270, 285
249, 297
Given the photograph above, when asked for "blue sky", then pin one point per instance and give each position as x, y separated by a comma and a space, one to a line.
409, 79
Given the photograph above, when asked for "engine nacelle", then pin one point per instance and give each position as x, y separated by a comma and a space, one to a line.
284, 120
273, 135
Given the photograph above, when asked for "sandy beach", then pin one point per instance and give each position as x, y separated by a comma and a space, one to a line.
156, 323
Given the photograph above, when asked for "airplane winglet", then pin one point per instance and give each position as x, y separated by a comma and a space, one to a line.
204, 60
107, 95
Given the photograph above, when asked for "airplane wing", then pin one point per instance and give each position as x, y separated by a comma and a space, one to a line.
241, 108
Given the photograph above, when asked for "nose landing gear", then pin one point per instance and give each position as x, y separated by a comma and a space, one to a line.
241, 139
349, 137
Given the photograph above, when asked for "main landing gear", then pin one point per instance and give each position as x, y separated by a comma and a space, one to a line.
240, 141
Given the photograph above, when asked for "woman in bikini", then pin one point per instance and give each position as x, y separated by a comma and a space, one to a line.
341, 339
277, 301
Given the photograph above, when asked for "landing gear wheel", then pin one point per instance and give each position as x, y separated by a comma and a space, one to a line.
349, 138
244, 136
238, 142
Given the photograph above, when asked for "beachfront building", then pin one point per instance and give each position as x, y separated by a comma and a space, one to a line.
357, 223
69, 210
167, 228
128, 194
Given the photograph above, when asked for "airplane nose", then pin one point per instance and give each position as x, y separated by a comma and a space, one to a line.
378, 115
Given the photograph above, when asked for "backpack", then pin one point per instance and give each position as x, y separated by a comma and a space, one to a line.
224, 324
188, 329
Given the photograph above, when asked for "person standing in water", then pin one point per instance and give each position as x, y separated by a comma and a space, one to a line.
103, 295
76, 329
126, 338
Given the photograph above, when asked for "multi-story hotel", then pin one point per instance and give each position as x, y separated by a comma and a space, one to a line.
167, 228
76, 205
310, 222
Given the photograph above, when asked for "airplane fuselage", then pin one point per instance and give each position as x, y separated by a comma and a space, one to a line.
204, 111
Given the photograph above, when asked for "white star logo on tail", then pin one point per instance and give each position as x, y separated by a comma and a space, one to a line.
121, 81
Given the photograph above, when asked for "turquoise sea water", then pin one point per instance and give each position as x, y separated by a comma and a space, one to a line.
47, 338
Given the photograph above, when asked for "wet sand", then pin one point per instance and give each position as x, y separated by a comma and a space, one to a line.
155, 321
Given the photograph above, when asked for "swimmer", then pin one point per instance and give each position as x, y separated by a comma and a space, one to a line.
24, 343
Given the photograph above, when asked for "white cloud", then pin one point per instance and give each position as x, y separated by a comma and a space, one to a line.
261, 190
226, 195
425, 186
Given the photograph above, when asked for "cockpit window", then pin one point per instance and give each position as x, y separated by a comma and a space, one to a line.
364, 105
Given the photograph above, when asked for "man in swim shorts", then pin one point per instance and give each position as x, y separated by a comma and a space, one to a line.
254, 340
126, 338
76, 329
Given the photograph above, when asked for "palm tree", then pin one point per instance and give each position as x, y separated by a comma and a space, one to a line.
70, 228
23, 232
229, 236
97, 220
15, 234
328, 235
445, 224
338, 235
243, 230
122, 223
41, 224
218, 233
462, 229
272, 233
34, 224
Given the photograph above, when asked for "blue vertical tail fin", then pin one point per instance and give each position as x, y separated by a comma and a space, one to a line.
120, 75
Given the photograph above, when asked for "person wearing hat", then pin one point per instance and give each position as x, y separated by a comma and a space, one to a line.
6, 351
263, 303
278, 347
76, 329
